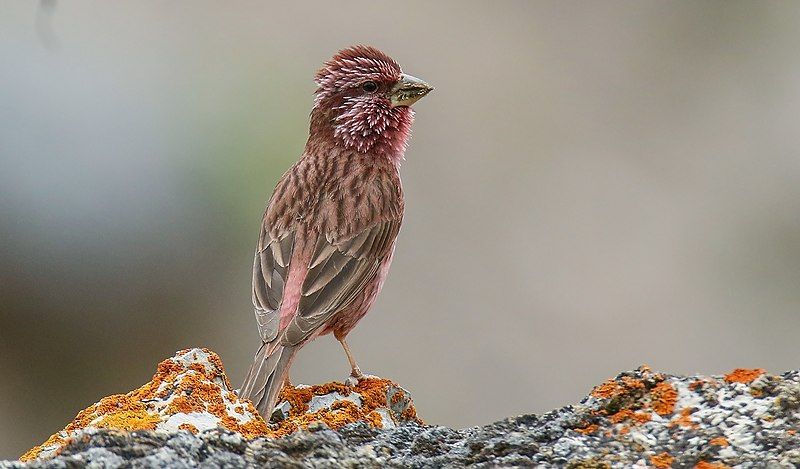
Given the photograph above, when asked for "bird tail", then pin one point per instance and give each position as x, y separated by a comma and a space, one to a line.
267, 375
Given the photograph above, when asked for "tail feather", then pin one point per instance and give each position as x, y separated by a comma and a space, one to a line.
266, 376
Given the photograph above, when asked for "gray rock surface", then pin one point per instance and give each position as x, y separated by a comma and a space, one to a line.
639, 419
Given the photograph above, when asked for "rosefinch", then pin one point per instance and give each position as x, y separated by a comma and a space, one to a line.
328, 233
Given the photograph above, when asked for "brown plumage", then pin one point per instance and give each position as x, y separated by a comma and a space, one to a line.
328, 234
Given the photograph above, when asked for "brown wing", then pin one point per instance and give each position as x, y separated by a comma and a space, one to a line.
270, 269
337, 273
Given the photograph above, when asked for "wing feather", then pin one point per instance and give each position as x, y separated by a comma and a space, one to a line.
340, 269
324, 273
270, 269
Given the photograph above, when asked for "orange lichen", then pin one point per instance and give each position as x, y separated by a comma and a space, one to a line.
626, 414
397, 397
118, 411
791, 431
217, 362
711, 465
613, 388
129, 421
695, 385
188, 427
744, 375
664, 397
661, 461
338, 415
184, 405
410, 415
299, 397
587, 429
621, 416
33, 453
196, 394
374, 419
632, 383
607, 390
255, 428
684, 419
719, 441
373, 396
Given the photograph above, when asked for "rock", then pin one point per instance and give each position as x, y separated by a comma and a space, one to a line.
326, 401
281, 412
334, 405
747, 418
191, 392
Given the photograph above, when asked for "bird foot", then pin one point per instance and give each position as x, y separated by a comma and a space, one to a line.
353, 381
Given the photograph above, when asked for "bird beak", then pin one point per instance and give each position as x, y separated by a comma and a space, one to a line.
408, 91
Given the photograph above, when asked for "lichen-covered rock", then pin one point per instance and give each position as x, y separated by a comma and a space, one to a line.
639, 419
378, 402
191, 392
656, 420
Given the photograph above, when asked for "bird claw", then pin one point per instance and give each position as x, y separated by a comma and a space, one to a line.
352, 381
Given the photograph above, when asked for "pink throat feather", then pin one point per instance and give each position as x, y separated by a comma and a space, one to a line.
364, 128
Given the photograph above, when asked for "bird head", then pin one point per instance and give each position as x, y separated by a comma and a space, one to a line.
363, 99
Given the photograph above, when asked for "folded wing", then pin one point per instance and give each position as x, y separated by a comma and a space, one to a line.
270, 271
338, 271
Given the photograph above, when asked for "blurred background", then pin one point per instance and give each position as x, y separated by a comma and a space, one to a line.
592, 186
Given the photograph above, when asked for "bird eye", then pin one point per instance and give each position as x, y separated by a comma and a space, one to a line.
370, 86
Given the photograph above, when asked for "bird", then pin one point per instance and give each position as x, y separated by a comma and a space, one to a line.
328, 234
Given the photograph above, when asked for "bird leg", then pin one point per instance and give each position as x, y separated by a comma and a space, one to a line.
355, 371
